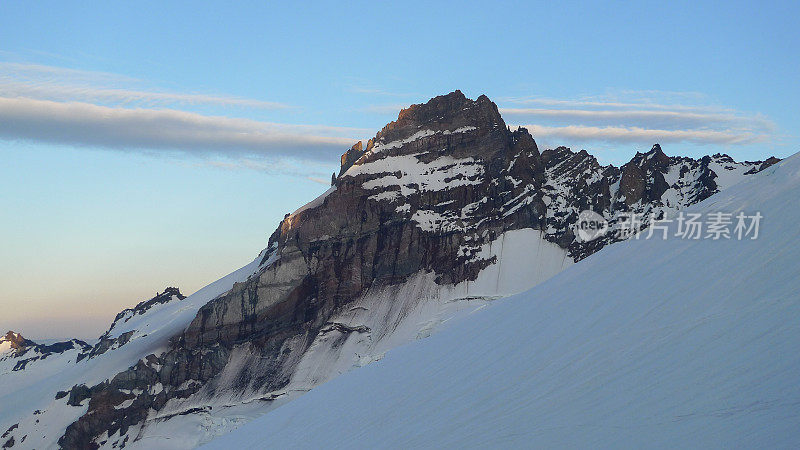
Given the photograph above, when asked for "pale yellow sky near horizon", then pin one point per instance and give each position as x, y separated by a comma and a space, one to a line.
81, 302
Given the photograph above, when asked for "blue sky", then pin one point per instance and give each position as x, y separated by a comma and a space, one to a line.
148, 144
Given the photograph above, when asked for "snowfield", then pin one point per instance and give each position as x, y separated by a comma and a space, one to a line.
648, 343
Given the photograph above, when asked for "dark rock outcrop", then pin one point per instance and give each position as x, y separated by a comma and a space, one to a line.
169, 294
350, 157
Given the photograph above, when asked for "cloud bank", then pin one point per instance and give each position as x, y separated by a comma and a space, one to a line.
82, 108
642, 120
678, 120
62, 84
642, 135
78, 123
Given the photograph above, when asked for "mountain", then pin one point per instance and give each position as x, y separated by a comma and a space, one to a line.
134, 320
18, 353
14, 341
444, 210
649, 343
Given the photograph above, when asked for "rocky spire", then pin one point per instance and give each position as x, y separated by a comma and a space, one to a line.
350, 157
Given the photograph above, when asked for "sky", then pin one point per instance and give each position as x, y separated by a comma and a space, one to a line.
153, 144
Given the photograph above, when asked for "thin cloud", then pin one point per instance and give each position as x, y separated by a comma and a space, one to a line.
62, 84
643, 135
40, 71
639, 117
76, 123
60, 92
598, 104
319, 180
646, 118
627, 99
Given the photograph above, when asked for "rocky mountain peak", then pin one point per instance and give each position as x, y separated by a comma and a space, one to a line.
170, 294
443, 113
653, 160
16, 341
17, 352
767, 163
722, 157
122, 330
427, 206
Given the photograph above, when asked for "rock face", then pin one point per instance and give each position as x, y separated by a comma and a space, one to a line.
350, 157
385, 221
426, 197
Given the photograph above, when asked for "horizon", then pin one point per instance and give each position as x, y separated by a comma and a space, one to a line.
153, 152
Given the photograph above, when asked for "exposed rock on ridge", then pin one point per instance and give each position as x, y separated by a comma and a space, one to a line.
115, 338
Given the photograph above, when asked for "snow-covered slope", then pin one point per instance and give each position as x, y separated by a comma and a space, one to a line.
29, 399
380, 320
656, 343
